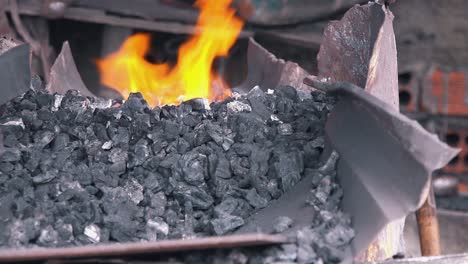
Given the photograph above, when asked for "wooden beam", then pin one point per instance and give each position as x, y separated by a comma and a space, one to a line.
148, 9
101, 17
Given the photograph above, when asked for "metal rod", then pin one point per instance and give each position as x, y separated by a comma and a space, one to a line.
428, 227
125, 249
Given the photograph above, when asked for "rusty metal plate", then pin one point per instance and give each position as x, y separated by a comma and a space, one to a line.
64, 75
347, 45
128, 249
14, 72
386, 159
267, 71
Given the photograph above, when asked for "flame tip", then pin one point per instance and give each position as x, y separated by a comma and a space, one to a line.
127, 70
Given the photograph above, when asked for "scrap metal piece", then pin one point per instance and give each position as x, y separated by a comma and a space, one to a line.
348, 43
267, 71
121, 249
382, 76
64, 75
388, 175
14, 72
360, 49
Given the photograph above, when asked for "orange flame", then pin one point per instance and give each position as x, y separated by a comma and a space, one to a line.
127, 71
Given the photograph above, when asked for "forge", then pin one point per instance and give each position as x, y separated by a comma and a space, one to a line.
132, 173
284, 167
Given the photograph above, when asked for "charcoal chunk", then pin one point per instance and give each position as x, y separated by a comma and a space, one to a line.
282, 224
134, 190
43, 138
157, 229
236, 106
141, 153
285, 129
305, 250
45, 177
255, 199
288, 169
122, 136
18, 234
118, 155
226, 224
48, 237
169, 160
222, 169
64, 232
273, 190
233, 206
197, 104
199, 198
159, 202
194, 167
288, 252
61, 141
135, 103
92, 233
107, 145
339, 235
11, 155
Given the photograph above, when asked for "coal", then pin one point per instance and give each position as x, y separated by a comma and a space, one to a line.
226, 223
78, 170
282, 223
325, 240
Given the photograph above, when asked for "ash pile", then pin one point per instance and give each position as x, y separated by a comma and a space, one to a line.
79, 170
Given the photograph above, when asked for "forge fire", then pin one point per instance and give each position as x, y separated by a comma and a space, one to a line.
127, 71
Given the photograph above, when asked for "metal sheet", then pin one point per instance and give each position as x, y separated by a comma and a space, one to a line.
14, 72
128, 249
360, 49
267, 71
348, 43
64, 75
386, 159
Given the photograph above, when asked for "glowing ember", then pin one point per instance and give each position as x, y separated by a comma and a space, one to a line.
127, 71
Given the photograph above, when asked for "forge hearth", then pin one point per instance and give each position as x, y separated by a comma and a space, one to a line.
80, 170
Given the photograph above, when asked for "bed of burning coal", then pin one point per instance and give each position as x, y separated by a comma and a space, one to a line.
80, 170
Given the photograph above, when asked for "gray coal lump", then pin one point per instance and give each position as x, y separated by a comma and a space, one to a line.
79, 170
325, 240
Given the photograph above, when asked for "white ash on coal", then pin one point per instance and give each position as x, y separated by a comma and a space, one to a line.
80, 170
